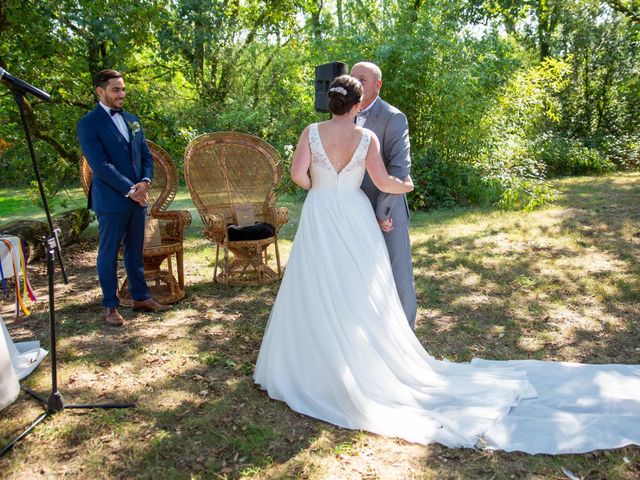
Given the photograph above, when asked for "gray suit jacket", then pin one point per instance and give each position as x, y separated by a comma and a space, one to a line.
391, 127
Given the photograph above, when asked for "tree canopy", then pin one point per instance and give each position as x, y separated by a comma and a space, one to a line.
499, 93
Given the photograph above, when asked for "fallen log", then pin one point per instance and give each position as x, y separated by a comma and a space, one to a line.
71, 224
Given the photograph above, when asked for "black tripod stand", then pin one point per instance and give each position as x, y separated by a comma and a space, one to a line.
54, 403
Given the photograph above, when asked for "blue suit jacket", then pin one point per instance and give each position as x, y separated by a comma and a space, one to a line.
116, 163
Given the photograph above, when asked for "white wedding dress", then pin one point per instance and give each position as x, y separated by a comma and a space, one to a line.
338, 348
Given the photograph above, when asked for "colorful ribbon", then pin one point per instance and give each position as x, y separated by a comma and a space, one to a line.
4, 283
17, 277
25, 273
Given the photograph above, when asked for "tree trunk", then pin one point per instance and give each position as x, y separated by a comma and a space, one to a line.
316, 26
543, 29
71, 224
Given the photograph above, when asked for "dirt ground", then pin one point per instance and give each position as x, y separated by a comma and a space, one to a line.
558, 284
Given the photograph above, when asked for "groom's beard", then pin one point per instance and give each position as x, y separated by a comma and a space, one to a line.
113, 101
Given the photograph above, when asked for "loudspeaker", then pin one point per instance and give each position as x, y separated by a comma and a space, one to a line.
324, 76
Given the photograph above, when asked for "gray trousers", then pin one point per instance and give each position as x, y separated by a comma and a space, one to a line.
399, 247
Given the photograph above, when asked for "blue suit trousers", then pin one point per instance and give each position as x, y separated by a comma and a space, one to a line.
126, 229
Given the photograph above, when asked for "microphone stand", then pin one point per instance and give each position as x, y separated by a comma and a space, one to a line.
54, 403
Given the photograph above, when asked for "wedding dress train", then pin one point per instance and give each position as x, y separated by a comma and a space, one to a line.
338, 348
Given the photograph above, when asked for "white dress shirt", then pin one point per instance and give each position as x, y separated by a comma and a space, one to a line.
363, 114
118, 119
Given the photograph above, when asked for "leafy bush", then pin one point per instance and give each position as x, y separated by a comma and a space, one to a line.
564, 156
286, 185
443, 183
622, 151
509, 164
524, 194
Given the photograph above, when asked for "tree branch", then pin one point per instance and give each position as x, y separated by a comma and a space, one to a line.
81, 32
38, 133
619, 6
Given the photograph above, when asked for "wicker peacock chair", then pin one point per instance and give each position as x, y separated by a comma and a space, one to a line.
225, 169
162, 284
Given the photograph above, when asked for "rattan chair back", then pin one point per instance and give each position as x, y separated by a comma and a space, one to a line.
227, 168
223, 169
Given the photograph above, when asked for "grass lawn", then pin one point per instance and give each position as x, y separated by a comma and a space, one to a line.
560, 283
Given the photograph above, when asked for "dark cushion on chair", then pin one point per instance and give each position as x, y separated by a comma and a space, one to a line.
253, 232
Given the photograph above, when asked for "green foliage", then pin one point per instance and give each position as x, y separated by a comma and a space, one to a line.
622, 151
286, 185
525, 195
526, 108
57, 46
495, 159
498, 95
442, 183
564, 156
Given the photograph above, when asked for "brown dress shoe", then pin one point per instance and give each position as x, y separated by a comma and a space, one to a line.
112, 317
149, 305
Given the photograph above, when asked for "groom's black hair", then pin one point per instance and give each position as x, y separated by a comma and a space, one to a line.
344, 92
103, 76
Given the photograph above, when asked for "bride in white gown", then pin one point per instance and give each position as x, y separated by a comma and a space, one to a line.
338, 346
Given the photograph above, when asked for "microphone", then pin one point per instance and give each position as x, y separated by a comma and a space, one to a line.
21, 86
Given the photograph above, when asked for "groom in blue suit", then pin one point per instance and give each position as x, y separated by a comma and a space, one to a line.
114, 145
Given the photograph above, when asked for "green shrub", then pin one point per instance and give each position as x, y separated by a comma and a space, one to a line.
524, 194
564, 156
443, 183
286, 185
622, 151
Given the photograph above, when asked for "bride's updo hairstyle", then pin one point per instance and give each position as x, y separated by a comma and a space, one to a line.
344, 92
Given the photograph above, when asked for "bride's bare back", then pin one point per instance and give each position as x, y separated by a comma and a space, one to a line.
339, 143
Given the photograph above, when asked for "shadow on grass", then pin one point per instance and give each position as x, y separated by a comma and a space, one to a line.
199, 415
493, 293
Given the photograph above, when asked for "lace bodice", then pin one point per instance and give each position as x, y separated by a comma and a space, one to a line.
323, 173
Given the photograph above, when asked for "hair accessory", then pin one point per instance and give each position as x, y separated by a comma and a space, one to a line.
340, 90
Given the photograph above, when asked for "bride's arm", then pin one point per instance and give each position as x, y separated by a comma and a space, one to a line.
302, 161
378, 172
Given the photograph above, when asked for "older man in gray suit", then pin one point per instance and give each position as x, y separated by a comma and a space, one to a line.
392, 211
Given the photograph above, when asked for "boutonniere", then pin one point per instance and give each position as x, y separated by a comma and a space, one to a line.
134, 127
